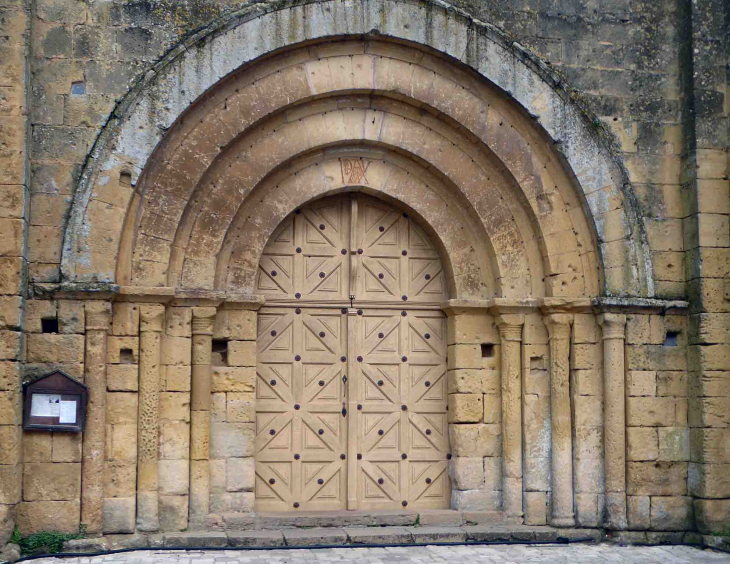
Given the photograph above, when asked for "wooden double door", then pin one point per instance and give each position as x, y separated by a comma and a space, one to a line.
351, 378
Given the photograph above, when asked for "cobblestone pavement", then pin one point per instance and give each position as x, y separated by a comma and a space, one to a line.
573, 554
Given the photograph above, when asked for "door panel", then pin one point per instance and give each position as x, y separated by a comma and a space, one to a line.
379, 437
401, 428
301, 433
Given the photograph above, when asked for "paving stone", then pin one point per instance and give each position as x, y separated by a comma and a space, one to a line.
379, 535
195, 540
437, 534
256, 538
311, 537
440, 517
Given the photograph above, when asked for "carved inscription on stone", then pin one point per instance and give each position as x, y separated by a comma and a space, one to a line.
354, 170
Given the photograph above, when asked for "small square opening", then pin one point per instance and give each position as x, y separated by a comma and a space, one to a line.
49, 325
671, 339
126, 356
487, 350
220, 353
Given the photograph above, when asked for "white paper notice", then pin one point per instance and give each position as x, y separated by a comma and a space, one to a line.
45, 405
68, 412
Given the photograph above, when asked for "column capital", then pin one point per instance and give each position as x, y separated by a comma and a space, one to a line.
613, 325
203, 320
558, 325
152, 318
98, 316
510, 326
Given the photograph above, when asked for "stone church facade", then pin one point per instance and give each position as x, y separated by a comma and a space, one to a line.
367, 254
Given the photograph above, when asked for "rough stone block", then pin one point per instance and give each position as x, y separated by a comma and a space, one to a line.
585, 357
492, 408
466, 408
61, 516
121, 407
52, 347
122, 350
174, 476
178, 321
10, 408
241, 353
176, 351
476, 500
674, 443
234, 379
672, 514
118, 515
71, 316
710, 412
471, 328
464, 356
51, 482
709, 480
587, 382
712, 515
475, 440
643, 443
37, 446
535, 508
122, 377
126, 319
466, 473
176, 378
589, 509
588, 411
120, 479
174, 440
651, 412
173, 510
10, 441
585, 329
10, 376
66, 447
232, 440
232, 502
175, 406
240, 407
641, 383
122, 441
656, 478
240, 474
672, 384
638, 510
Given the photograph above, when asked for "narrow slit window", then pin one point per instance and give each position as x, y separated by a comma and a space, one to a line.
671, 339
487, 350
49, 325
220, 353
126, 356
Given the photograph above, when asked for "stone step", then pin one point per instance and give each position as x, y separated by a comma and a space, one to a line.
373, 535
343, 519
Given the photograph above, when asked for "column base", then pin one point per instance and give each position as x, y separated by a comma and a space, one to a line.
563, 522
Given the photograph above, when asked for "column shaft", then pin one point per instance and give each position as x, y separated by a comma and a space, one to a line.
614, 413
152, 319
200, 402
558, 326
98, 318
510, 330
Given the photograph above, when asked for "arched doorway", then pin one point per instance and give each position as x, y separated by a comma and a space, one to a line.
351, 395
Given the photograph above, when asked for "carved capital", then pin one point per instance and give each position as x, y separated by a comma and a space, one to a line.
98, 316
558, 325
203, 320
510, 326
152, 318
613, 325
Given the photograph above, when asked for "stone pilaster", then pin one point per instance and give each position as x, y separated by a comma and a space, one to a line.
510, 331
203, 320
558, 325
152, 322
614, 417
98, 323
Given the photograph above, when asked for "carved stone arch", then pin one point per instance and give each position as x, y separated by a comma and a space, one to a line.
588, 195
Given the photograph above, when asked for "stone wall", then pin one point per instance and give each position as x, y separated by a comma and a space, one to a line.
656, 75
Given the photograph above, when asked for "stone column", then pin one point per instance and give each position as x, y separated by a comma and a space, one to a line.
200, 402
98, 319
152, 322
558, 325
614, 418
510, 331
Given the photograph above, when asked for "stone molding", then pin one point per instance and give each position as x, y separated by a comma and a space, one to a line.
530, 82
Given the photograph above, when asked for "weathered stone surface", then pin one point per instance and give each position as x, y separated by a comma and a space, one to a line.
195, 540
62, 516
437, 534
387, 535
119, 515
656, 478
268, 539
309, 537
671, 513
51, 482
240, 474
466, 473
99, 544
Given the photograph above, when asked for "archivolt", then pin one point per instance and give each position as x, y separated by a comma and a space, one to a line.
439, 117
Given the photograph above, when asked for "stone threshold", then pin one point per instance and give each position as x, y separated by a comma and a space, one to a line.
383, 535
